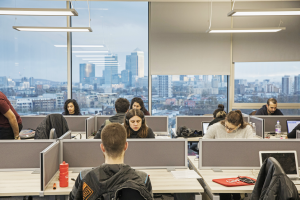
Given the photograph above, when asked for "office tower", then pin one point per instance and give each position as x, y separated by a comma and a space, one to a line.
215, 82
135, 63
3, 82
31, 82
297, 84
197, 78
111, 69
205, 78
225, 78
87, 73
220, 78
286, 84
24, 79
165, 86
181, 77
126, 77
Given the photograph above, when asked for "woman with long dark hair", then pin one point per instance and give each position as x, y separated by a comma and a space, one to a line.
135, 125
137, 103
71, 107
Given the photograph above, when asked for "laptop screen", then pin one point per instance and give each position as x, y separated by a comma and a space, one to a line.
291, 125
287, 160
204, 127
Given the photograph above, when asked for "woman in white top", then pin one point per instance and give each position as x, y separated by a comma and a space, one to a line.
232, 127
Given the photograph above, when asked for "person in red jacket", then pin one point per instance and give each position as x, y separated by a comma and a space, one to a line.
10, 120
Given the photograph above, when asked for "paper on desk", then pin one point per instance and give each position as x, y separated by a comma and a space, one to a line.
185, 174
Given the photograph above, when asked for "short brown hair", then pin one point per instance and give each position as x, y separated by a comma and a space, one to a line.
274, 101
235, 118
122, 105
113, 138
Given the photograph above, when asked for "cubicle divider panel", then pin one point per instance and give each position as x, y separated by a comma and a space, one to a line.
76, 123
260, 125
141, 153
271, 121
157, 123
193, 122
246, 117
15, 154
90, 126
101, 119
67, 135
32, 122
49, 163
239, 153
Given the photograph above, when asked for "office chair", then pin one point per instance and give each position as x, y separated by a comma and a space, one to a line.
52, 134
129, 194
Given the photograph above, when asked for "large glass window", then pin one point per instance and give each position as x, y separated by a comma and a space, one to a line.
187, 95
256, 82
33, 71
112, 61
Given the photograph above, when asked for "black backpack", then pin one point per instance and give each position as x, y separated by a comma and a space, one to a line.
183, 131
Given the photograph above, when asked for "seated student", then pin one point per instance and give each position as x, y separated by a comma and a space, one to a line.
219, 115
292, 134
137, 103
71, 107
269, 109
104, 181
232, 127
121, 107
135, 125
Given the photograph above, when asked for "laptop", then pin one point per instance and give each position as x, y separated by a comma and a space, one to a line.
288, 161
204, 127
291, 124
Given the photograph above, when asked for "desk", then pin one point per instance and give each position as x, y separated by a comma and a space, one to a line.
191, 139
162, 182
19, 183
77, 135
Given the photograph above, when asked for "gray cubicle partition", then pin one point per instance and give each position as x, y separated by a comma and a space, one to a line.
239, 153
193, 122
49, 163
271, 120
158, 123
76, 123
246, 117
67, 135
21, 155
260, 125
159, 153
100, 120
32, 122
90, 126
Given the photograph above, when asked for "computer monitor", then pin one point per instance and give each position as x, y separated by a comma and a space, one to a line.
287, 159
204, 127
291, 124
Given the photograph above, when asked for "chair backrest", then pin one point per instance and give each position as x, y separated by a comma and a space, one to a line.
52, 134
129, 194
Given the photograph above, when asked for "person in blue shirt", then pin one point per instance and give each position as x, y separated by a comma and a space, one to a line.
71, 107
269, 109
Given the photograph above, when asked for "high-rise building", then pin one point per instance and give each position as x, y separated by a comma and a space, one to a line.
286, 84
205, 78
87, 73
225, 78
215, 82
24, 79
220, 78
111, 69
3, 81
165, 86
181, 77
297, 84
126, 77
135, 63
31, 82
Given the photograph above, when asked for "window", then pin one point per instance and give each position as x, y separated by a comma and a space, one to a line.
117, 65
259, 81
33, 71
187, 95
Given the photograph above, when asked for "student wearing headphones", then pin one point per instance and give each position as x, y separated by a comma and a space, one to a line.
135, 125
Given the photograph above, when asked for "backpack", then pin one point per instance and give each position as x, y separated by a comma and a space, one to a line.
183, 131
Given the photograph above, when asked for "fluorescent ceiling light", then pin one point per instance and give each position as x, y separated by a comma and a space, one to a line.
38, 11
53, 29
93, 56
100, 59
89, 51
262, 12
104, 61
104, 64
246, 30
80, 45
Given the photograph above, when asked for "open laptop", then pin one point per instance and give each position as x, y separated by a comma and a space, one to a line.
288, 161
291, 124
204, 127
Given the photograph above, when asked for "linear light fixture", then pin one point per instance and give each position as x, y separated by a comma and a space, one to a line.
100, 59
246, 30
80, 45
38, 11
104, 61
53, 29
89, 51
93, 56
264, 12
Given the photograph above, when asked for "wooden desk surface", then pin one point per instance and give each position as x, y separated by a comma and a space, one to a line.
19, 183
162, 182
208, 175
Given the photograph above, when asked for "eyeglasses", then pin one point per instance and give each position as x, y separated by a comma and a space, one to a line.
230, 129
246, 180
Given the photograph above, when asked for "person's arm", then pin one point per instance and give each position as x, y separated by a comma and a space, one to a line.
211, 132
150, 133
292, 134
13, 122
149, 186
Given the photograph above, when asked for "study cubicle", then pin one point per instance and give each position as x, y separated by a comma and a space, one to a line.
271, 121
192, 122
32, 122
259, 124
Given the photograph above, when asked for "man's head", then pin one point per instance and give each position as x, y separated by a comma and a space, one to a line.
122, 105
271, 105
114, 143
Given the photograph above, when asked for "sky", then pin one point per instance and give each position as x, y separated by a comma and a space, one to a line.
120, 26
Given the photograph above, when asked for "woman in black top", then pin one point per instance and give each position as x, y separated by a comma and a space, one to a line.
137, 103
219, 115
135, 125
71, 107
292, 134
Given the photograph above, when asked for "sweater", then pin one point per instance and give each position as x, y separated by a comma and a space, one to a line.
218, 131
264, 111
134, 134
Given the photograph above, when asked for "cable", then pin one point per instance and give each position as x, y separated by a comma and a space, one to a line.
89, 13
210, 14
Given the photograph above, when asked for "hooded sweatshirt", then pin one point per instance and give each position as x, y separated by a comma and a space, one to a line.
264, 111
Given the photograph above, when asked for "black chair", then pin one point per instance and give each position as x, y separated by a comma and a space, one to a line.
130, 194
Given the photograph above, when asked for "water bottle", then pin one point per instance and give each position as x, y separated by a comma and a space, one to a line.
254, 129
64, 174
278, 130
